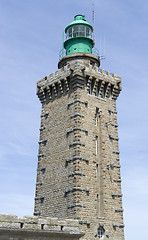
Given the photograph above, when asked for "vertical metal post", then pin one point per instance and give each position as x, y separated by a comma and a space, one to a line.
93, 20
63, 45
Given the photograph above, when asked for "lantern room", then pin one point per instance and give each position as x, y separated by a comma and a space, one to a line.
78, 36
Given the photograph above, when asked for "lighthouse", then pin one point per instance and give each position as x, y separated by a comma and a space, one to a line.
78, 173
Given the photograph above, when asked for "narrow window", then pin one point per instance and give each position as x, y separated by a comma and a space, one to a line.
42, 226
21, 225
96, 116
96, 145
101, 232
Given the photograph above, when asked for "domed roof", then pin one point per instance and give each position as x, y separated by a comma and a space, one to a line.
79, 20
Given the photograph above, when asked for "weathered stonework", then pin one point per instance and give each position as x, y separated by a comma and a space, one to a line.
78, 162
33, 228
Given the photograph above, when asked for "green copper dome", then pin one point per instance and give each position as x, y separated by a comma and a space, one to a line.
79, 36
79, 19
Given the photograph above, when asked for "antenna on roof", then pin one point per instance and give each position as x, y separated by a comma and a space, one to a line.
104, 48
93, 24
93, 19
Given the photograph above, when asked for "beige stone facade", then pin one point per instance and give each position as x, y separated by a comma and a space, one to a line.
34, 228
78, 174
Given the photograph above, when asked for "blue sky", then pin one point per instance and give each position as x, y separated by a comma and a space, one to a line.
30, 42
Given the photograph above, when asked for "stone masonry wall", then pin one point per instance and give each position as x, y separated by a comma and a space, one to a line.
33, 228
78, 164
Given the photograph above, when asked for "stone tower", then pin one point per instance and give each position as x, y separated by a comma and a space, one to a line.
78, 174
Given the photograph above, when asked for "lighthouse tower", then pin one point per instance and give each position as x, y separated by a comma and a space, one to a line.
78, 173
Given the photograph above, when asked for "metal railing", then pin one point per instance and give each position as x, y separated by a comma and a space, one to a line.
63, 53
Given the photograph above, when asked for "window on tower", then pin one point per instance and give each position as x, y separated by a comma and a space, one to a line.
69, 33
88, 32
101, 232
96, 145
75, 31
96, 116
79, 31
